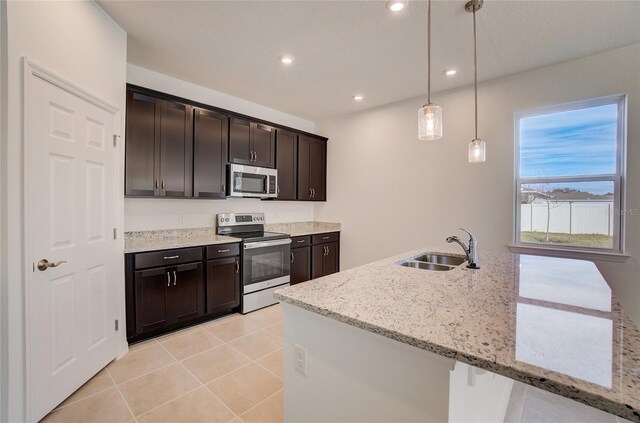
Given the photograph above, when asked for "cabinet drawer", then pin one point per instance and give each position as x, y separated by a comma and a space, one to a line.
223, 250
328, 237
300, 241
167, 257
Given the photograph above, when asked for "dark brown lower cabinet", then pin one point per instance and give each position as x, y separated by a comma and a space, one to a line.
223, 284
166, 297
300, 265
325, 259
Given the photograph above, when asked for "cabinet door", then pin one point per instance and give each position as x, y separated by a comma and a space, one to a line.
263, 140
210, 143
300, 264
152, 300
142, 154
187, 286
332, 258
317, 261
304, 189
176, 149
317, 169
223, 284
287, 164
240, 149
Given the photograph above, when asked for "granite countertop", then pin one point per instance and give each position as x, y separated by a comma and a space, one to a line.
136, 242
303, 228
548, 322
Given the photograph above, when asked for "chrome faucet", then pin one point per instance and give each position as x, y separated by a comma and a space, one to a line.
471, 251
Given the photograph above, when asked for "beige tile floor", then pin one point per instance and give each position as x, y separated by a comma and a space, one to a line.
229, 369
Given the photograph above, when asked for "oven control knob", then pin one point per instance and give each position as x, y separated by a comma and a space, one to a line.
226, 219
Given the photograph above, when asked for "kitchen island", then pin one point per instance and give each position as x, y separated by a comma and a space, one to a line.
444, 345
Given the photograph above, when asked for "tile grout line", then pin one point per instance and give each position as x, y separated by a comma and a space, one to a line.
263, 401
135, 418
202, 385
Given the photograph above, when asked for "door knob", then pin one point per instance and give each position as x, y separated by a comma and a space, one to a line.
44, 264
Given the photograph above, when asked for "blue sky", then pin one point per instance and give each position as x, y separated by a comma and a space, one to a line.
576, 142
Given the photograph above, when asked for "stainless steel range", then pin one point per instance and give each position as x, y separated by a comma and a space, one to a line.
264, 255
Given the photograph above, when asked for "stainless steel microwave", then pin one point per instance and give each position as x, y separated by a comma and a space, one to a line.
252, 181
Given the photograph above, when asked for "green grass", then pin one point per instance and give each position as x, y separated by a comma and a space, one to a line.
582, 240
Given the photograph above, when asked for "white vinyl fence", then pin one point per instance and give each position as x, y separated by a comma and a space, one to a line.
571, 217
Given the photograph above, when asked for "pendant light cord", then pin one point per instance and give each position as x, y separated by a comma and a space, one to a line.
475, 70
429, 52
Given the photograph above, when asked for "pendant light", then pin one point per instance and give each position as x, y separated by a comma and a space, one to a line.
477, 147
429, 115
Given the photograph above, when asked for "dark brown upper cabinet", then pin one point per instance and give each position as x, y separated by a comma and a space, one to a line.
312, 164
158, 147
210, 144
287, 164
251, 143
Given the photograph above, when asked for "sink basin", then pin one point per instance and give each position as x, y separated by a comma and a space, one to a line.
431, 261
440, 259
426, 266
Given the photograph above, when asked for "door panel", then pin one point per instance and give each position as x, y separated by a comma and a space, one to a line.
240, 141
187, 292
153, 300
317, 261
287, 164
332, 259
71, 166
176, 149
211, 140
142, 139
263, 138
223, 284
304, 189
300, 265
317, 168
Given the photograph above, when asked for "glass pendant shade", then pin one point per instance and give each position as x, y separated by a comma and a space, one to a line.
429, 122
477, 151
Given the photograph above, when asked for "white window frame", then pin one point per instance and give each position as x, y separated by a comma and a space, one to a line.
618, 180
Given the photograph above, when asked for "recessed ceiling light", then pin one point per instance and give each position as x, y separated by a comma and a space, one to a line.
287, 60
358, 97
396, 5
450, 72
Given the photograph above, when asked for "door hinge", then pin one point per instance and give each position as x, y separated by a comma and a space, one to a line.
115, 139
115, 233
117, 325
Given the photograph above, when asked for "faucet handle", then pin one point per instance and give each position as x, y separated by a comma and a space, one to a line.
472, 237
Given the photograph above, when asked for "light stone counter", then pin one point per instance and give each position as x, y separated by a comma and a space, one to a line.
303, 228
136, 242
547, 322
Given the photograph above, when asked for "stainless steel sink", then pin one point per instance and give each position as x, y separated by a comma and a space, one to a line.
440, 259
431, 261
426, 266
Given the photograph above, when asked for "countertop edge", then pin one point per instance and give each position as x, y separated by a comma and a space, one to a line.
566, 391
145, 249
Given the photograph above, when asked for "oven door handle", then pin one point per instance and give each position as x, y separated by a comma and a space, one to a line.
261, 244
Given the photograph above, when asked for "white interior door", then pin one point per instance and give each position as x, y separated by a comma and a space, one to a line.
71, 212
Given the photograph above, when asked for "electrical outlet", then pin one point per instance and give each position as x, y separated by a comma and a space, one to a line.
301, 358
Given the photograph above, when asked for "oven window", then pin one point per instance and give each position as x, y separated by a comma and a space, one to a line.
266, 266
247, 182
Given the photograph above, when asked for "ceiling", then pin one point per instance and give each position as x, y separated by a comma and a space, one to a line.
343, 48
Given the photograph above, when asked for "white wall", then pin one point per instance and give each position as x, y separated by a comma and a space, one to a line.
156, 213
393, 193
79, 42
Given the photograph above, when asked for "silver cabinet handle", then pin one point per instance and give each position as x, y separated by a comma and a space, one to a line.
238, 266
168, 279
171, 257
163, 184
224, 251
300, 241
310, 193
175, 278
255, 154
325, 237
157, 184
292, 259
44, 264
278, 190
